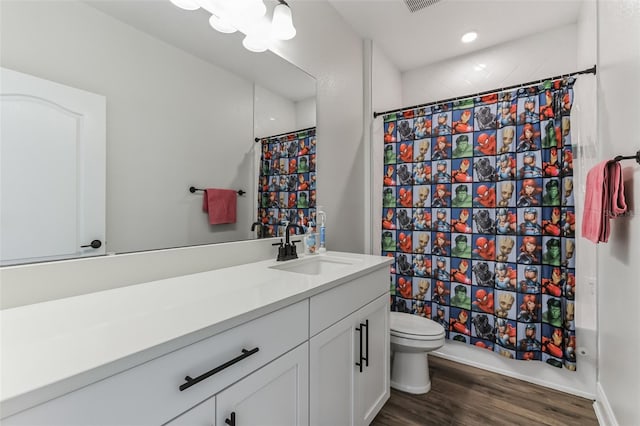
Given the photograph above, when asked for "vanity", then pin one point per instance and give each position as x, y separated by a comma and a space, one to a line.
299, 342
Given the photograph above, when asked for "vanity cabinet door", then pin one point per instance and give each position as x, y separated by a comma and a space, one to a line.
275, 395
373, 384
201, 415
349, 364
332, 357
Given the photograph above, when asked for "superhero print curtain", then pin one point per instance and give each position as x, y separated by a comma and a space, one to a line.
478, 212
287, 182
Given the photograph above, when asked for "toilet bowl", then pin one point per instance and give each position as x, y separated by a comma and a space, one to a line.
412, 337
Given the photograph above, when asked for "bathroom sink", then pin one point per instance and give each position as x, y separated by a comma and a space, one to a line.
313, 265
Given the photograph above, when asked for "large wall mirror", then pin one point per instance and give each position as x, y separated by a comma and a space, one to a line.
182, 106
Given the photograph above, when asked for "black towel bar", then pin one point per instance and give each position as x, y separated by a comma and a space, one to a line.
193, 189
628, 157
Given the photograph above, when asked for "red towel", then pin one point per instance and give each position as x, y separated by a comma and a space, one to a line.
604, 199
220, 204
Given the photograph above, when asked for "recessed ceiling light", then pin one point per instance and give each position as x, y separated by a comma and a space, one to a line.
469, 37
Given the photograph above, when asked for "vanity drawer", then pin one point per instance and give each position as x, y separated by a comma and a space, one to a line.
150, 394
332, 305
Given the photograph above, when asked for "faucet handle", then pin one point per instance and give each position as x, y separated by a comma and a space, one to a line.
283, 251
293, 249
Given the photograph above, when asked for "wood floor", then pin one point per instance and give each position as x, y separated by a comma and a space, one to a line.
463, 395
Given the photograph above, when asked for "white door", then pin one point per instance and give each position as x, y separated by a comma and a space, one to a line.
52, 154
373, 385
275, 395
332, 357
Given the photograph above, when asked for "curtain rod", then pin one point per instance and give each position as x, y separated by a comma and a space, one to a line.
285, 133
591, 70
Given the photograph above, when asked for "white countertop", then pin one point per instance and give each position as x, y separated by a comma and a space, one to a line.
54, 347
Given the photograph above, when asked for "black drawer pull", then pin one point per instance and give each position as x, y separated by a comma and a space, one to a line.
191, 381
366, 346
361, 358
231, 421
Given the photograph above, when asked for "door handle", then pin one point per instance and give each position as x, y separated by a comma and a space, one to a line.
231, 421
366, 340
359, 363
95, 244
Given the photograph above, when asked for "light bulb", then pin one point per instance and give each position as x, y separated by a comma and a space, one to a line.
249, 15
255, 44
253, 9
221, 25
282, 24
186, 4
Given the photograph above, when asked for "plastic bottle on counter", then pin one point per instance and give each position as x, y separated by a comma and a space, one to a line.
310, 242
322, 221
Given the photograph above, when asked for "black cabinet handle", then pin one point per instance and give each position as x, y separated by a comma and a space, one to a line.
231, 421
366, 359
95, 244
359, 363
191, 381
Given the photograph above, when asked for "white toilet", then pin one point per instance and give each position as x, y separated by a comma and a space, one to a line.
412, 337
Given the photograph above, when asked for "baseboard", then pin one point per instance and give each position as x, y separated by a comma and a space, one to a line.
603, 410
523, 377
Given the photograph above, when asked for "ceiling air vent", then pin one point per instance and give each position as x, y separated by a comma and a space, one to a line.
416, 5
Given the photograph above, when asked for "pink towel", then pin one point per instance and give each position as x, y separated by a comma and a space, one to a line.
616, 189
604, 199
220, 204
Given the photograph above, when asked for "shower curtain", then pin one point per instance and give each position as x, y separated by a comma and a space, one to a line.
478, 212
287, 182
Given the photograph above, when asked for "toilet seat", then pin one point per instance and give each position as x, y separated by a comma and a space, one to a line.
418, 338
413, 327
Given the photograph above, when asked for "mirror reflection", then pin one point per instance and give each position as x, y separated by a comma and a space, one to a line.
175, 103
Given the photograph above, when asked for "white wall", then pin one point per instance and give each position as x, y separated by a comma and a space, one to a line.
387, 95
273, 113
306, 113
328, 49
543, 55
585, 136
618, 265
515, 62
387, 82
172, 120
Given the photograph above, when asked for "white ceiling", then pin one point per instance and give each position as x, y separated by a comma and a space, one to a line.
409, 40
190, 31
413, 40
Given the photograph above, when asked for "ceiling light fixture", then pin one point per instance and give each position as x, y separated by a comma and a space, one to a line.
248, 17
467, 38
